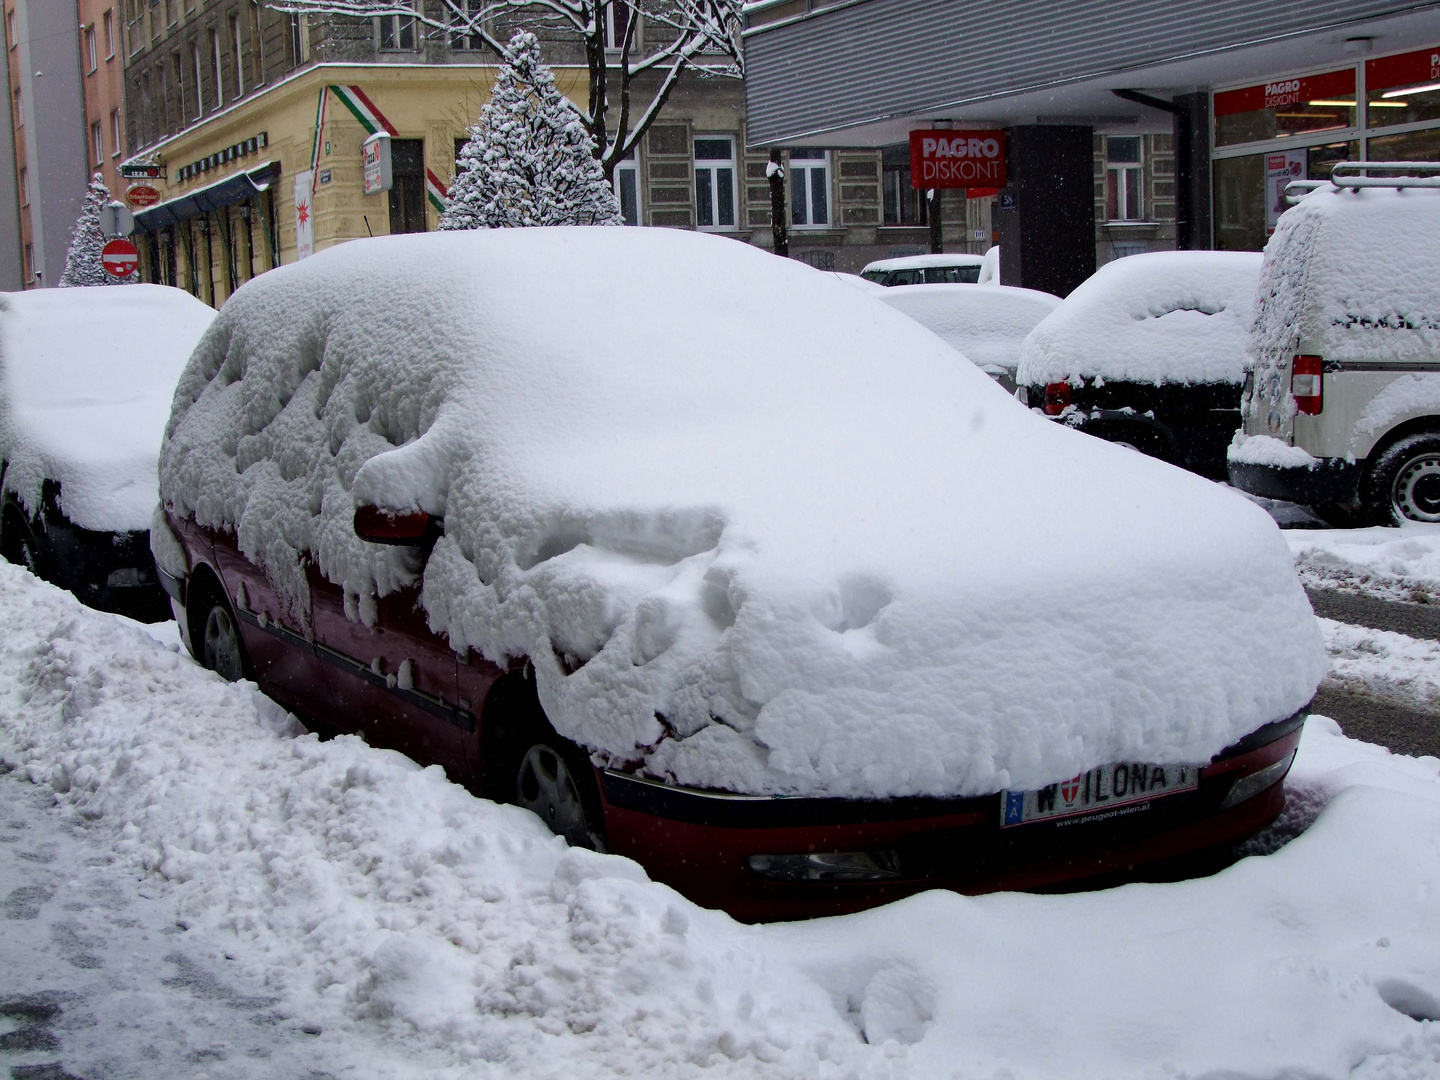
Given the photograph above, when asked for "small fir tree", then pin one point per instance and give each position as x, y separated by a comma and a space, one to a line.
82, 261
530, 160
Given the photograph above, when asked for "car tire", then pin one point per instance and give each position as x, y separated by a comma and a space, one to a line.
1340, 515
220, 647
18, 542
555, 781
1403, 483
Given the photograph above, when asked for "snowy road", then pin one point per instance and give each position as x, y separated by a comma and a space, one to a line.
189, 887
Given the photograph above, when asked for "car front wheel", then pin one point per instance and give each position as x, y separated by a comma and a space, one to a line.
557, 791
1404, 483
221, 649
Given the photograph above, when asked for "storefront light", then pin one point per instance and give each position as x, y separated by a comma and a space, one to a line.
1411, 90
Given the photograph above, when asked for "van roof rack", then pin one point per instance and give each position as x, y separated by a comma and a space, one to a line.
1390, 174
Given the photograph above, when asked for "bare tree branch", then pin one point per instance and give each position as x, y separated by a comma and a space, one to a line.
663, 39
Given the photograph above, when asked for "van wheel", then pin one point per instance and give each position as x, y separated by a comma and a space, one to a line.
1404, 482
555, 782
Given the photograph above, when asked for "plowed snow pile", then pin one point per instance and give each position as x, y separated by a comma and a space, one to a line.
431, 934
86, 380
756, 531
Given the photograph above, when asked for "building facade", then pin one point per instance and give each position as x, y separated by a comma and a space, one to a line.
102, 72
47, 115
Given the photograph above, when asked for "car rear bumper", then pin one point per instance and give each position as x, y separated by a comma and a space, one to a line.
700, 842
109, 571
1332, 481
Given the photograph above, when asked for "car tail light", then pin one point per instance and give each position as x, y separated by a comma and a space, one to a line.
1057, 398
1307, 384
391, 526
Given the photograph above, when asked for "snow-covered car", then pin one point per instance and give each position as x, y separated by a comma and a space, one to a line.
925, 270
1342, 404
1150, 352
86, 380
987, 323
771, 608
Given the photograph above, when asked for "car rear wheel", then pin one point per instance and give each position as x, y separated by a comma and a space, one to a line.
555, 782
221, 648
1404, 483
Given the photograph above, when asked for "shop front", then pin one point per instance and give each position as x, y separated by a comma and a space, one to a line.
1296, 126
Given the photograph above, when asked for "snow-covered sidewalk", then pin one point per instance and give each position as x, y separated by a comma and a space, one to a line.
1393, 564
213, 869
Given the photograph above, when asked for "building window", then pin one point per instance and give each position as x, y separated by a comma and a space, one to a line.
215, 63
397, 32
91, 53
19, 109
10, 29
24, 187
115, 135
178, 67
465, 16
616, 23
809, 188
258, 44
715, 182
627, 188
97, 143
29, 262
109, 33
903, 204
1123, 179
199, 81
237, 45
299, 39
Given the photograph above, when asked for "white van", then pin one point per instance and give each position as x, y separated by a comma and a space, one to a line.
1341, 405
925, 270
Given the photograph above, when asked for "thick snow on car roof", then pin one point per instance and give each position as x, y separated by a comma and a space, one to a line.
86, 380
756, 531
1167, 316
1353, 275
919, 262
987, 323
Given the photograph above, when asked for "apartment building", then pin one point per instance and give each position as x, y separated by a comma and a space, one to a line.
102, 75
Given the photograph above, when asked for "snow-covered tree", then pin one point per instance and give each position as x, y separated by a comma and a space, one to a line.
636, 50
82, 261
529, 160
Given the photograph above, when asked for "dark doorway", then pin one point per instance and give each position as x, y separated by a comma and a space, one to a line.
407, 196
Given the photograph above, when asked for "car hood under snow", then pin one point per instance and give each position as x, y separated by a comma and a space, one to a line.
755, 530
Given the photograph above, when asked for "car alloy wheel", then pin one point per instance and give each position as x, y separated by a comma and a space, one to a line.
223, 653
1415, 495
545, 786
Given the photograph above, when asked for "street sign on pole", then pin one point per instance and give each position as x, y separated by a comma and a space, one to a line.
117, 220
120, 258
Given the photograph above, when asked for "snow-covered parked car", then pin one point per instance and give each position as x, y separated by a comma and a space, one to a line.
1150, 352
925, 270
771, 608
86, 380
1342, 405
987, 323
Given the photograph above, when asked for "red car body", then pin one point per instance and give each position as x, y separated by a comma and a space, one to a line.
401, 686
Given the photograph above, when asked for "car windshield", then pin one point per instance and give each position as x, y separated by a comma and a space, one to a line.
877, 276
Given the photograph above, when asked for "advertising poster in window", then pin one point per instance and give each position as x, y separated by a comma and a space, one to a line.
1280, 169
304, 215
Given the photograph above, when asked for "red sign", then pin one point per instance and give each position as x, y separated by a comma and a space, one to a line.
1282, 92
1403, 70
120, 258
142, 195
957, 159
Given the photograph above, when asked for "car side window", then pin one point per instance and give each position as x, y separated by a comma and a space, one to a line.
967, 275
940, 275
905, 277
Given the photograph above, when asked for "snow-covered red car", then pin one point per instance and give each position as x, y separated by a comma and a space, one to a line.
1150, 352
86, 380
724, 567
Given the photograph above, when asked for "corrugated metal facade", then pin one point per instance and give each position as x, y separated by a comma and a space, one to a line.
837, 68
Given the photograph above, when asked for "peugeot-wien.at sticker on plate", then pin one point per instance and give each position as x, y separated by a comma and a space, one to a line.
1098, 793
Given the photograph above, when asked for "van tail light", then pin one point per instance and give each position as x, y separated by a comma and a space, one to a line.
1307, 384
1057, 398
391, 526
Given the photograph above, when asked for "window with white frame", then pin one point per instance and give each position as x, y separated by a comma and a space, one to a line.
115, 132
199, 81
616, 23
237, 44
809, 188
219, 72
29, 262
24, 187
10, 30
1123, 178
715, 182
299, 39
627, 188
97, 142
396, 32
109, 33
91, 50
465, 17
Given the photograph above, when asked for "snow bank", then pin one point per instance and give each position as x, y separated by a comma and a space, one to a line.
431, 934
1401, 563
772, 543
986, 324
86, 381
1167, 316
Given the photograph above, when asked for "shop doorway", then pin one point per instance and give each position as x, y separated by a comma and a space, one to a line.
407, 196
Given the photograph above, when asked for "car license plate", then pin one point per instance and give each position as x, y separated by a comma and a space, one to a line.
1099, 793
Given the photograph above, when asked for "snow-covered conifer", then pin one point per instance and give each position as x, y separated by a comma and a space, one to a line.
530, 160
82, 261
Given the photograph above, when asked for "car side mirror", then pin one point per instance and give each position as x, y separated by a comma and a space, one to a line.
409, 528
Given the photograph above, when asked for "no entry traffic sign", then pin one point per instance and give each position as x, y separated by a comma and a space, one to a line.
120, 258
